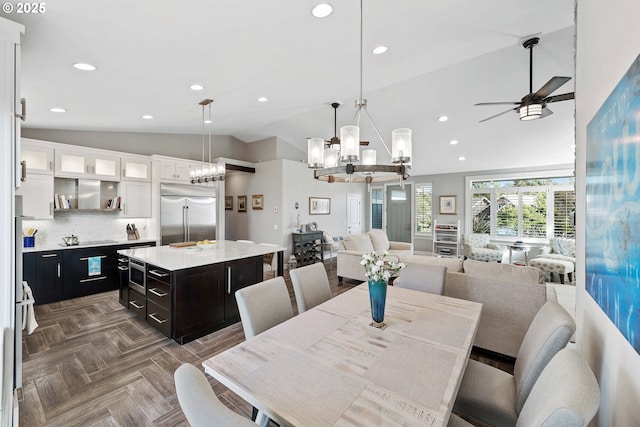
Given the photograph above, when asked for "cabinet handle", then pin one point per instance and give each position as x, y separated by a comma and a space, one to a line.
48, 255
133, 303
50, 208
23, 171
229, 280
124, 208
87, 168
122, 268
153, 316
23, 107
58, 270
157, 273
93, 279
156, 293
123, 259
87, 258
51, 165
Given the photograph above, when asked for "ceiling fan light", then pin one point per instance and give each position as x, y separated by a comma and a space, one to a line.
315, 153
401, 145
349, 143
530, 112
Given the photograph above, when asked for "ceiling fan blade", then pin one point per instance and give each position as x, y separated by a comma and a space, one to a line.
550, 86
499, 114
546, 112
365, 143
563, 97
497, 103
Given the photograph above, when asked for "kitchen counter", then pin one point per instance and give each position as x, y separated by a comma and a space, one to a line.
57, 247
173, 259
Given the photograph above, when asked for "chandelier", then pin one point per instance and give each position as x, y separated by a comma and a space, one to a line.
207, 171
339, 161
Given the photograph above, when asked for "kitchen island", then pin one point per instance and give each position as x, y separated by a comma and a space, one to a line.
186, 293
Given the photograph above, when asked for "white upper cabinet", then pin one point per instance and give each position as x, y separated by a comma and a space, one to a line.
136, 199
136, 168
87, 164
37, 196
174, 170
38, 157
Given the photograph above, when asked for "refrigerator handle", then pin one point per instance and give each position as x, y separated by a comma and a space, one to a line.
185, 222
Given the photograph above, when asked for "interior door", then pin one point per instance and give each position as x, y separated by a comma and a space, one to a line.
354, 213
399, 213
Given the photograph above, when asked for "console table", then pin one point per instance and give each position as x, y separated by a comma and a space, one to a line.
307, 247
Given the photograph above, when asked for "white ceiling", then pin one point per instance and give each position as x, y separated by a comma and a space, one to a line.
443, 57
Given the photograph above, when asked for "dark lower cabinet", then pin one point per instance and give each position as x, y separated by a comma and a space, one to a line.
89, 271
190, 303
44, 273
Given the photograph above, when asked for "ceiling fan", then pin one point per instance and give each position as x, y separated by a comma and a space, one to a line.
534, 105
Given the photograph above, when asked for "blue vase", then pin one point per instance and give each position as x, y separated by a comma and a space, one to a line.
378, 298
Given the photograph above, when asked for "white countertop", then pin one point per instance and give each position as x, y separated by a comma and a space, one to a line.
171, 258
57, 247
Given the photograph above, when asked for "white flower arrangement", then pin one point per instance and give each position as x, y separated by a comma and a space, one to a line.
377, 267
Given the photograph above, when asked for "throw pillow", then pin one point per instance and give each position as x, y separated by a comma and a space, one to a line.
379, 240
327, 238
358, 242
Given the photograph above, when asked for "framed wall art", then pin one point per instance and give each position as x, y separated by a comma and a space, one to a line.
448, 205
228, 203
257, 201
319, 206
242, 203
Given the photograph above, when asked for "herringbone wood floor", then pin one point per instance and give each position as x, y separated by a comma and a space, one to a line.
93, 363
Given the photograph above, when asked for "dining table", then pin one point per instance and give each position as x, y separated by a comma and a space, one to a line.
330, 366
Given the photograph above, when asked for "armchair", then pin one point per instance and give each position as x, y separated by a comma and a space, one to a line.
478, 247
560, 248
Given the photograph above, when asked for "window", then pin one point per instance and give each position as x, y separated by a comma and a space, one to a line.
376, 208
526, 208
423, 208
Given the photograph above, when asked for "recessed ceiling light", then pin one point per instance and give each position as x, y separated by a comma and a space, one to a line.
196, 87
453, 142
443, 118
322, 10
462, 158
84, 67
263, 99
57, 110
147, 117
208, 121
378, 50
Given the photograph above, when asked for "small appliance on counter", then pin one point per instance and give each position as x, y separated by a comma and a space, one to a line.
132, 232
70, 240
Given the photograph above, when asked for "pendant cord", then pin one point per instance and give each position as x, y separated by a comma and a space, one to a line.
203, 135
361, 45
209, 126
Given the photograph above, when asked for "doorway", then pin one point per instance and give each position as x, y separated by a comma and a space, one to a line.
354, 213
399, 202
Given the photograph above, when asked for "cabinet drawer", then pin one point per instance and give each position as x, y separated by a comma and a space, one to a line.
159, 293
159, 274
159, 318
138, 304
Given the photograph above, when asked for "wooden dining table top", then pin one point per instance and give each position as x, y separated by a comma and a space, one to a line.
328, 366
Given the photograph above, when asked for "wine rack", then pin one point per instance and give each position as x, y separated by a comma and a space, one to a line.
307, 247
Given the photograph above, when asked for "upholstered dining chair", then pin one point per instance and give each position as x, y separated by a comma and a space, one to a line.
422, 277
495, 397
263, 306
310, 286
566, 394
200, 404
477, 246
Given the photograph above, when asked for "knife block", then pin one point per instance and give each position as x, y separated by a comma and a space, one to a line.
133, 234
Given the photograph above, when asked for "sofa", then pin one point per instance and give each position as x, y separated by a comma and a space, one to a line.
510, 295
354, 246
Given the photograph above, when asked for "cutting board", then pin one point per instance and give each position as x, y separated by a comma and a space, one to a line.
182, 244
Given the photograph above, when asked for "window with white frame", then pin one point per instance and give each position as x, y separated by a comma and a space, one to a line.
423, 215
531, 209
377, 195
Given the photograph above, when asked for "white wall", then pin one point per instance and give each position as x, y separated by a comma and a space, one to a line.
607, 44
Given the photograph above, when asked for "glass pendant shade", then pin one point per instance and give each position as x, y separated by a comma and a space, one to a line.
330, 157
401, 145
315, 153
368, 157
349, 143
530, 112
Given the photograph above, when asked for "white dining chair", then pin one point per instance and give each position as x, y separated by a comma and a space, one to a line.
495, 397
422, 277
200, 404
263, 306
310, 286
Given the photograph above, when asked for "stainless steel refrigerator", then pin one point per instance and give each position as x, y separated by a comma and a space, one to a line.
187, 213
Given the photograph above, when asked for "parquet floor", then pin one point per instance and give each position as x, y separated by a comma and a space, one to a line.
93, 363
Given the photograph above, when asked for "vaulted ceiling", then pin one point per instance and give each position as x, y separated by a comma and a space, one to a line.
442, 58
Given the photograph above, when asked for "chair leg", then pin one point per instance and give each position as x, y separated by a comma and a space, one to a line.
561, 278
570, 277
254, 414
339, 280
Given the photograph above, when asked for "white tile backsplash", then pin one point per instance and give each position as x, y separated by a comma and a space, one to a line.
88, 226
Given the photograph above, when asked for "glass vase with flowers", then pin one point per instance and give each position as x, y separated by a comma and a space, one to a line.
379, 270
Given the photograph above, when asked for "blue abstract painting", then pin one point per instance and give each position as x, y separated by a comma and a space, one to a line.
613, 206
